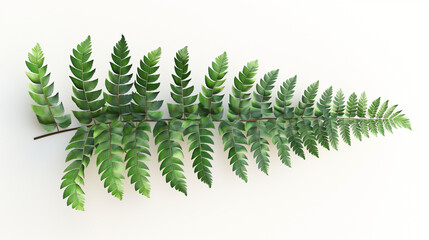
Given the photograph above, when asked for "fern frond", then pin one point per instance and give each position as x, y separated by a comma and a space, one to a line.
82, 146
390, 111
345, 130
85, 97
305, 130
352, 105
338, 106
322, 112
119, 130
185, 106
167, 135
239, 100
362, 106
321, 133
200, 138
356, 128
108, 141
400, 121
261, 105
118, 84
145, 106
305, 106
234, 140
210, 99
257, 134
276, 129
294, 137
373, 108
283, 101
364, 127
49, 111
136, 146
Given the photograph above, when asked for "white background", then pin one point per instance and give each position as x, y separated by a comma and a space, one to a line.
376, 189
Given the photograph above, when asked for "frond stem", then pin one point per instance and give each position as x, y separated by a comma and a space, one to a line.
197, 119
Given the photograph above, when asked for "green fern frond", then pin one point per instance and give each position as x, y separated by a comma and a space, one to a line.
85, 97
185, 106
294, 137
118, 85
400, 121
120, 122
362, 106
307, 135
352, 106
146, 84
49, 111
136, 146
276, 129
257, 134
200, 138
234, 141
364, 127
305, 108
322, 112
373, 108
82, 146
239, 100
338, 106
108, 141
356, 128
261, 104
345, 130
210, 99
167, 135
257, 131
321, 133
283, 101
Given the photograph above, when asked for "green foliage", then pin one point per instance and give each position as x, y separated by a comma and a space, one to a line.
85, 97
167, 135
210, 98
305, 108
294, 137
49, 111
108, 146
146, 84
323, 121
199, 138
122, 121
185, 106
239, 100
345, 130
257, 131
261, 105
352, 106
118, 85
82, 147
282, 106
362, 106
276, 129
285, 125
234, 142
239, 109
258, 134
136, 146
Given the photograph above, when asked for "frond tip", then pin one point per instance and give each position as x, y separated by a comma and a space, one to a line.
49, 110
